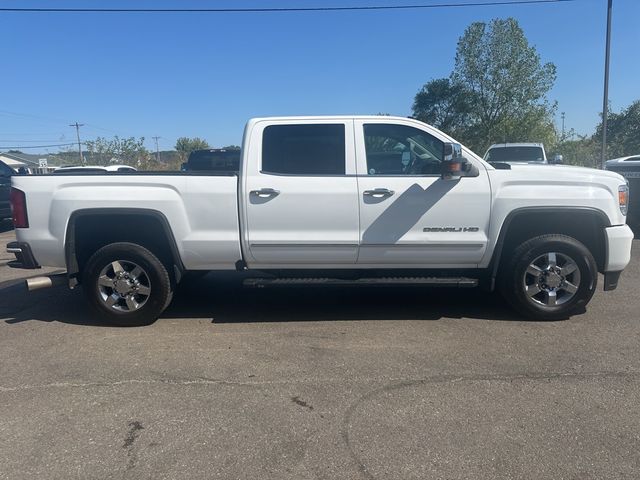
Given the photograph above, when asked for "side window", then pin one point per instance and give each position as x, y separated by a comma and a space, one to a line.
401, 150
304, 149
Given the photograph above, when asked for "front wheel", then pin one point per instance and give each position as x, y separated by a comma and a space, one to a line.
549, 277
126, 284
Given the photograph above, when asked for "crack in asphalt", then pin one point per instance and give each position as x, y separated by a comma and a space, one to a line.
388, 380
361, 466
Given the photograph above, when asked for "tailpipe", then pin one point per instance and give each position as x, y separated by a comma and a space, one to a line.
37, 283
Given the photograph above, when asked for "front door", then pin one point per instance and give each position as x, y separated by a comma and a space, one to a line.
410, 216
301, 195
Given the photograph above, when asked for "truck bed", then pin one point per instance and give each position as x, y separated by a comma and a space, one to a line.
201, 210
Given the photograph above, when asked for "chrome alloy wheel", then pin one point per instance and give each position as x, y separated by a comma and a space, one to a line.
124, 286
551, 279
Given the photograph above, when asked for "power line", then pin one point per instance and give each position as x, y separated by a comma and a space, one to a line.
55, 120
280, 9
29, 115
29, 141
22, 147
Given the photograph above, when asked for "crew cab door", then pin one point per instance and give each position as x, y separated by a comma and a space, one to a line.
301, 194
409, 215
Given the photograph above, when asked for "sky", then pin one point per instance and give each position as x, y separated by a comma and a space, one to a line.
205, 74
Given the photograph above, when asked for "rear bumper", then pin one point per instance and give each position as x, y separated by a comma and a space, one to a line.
24, 256
619, 240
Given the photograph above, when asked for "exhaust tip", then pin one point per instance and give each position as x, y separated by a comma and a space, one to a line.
38, 283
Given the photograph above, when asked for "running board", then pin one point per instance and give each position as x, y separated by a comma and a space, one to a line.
461, 282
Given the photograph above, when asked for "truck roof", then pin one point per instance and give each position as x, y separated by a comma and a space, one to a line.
251, 123
523, 144
331, 117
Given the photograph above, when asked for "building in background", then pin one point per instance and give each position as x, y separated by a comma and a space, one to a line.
26, 163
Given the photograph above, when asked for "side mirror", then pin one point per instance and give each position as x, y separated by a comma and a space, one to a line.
557, 159
453, 163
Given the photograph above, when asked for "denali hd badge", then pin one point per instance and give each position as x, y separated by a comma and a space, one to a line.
451, 229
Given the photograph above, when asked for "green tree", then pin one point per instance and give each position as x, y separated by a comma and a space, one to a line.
582, 151
623, 132
497, 91
129, 151
443, 104
185, 145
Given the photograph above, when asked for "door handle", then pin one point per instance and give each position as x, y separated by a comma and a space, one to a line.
379, 192
265, 192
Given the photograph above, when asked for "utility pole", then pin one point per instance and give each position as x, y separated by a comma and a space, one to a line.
157, 150
78, 125
605, 101
562, 115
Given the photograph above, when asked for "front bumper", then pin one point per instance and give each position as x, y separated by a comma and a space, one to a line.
618, 242
24, 256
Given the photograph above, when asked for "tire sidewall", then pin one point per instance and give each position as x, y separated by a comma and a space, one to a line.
157, 274
540, 246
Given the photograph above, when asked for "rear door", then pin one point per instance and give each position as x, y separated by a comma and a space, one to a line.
301, 194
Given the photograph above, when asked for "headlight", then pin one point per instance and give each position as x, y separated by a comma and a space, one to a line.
623, 198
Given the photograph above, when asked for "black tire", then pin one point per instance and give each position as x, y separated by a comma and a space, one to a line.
154, 276
517, 285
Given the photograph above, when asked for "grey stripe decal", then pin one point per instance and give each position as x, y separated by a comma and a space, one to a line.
303, 245
423, 245
377, 245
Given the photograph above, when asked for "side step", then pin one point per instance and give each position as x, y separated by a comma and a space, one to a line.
461, 282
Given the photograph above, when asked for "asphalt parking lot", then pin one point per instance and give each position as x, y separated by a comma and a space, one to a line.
318, 383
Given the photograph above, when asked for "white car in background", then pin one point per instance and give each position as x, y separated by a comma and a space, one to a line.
96, 169
519, 153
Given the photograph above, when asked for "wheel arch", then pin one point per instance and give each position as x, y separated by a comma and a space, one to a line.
585, 224
91, 229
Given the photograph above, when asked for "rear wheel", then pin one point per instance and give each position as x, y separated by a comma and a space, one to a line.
549, 277
127, 284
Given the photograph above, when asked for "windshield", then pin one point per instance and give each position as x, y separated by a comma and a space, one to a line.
515, 154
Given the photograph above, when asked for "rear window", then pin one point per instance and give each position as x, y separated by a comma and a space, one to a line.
214, 160
304, 149
515, 154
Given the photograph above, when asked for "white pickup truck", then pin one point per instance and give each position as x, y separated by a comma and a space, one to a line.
335, 200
